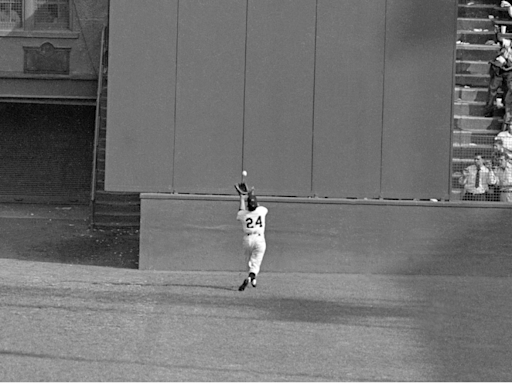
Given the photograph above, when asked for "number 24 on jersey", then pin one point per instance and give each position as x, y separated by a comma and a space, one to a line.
250, 224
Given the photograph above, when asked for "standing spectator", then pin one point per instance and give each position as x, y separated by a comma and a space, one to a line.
500, 74
507, 6
476, 180
499, 150
504, 179
506, 137
494, 194
507, 80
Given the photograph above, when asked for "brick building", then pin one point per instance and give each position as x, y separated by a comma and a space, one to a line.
49, 59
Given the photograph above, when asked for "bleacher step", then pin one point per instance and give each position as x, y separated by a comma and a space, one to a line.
472, 80
476, 52
473, 108
477, 124
478, 36
469, 151
480, 11
117, 210
472, 67
490, 2
470, 93
468, 24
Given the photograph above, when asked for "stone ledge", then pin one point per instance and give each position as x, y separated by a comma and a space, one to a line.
335, 201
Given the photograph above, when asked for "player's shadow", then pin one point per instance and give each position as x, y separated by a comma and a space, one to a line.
222, 288
334, 312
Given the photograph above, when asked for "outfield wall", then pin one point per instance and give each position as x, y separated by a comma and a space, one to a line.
200, 233
337, 99
330, 98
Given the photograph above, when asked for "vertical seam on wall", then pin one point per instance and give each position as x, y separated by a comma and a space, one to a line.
175, 98
383, 97
245, 83
315, 36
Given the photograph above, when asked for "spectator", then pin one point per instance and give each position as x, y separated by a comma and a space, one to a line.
504, 179
507, 6
494, 194
476, 180
498, 151
502, 27
506, 137
500, 74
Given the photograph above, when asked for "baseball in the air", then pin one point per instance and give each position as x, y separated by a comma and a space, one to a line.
244, 173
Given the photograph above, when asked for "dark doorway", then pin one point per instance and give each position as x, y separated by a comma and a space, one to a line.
46, 153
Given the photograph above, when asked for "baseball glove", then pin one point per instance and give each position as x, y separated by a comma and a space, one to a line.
242, 189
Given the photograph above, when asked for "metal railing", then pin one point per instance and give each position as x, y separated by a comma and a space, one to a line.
101, 76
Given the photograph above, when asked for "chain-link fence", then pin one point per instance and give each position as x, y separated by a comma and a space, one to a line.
471, 151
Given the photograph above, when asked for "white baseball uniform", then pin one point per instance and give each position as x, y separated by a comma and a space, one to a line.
253, 225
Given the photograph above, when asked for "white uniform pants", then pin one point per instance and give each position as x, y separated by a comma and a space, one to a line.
254, 250
506, 196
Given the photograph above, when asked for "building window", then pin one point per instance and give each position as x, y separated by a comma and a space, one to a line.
51, 14
34, 15
11, 14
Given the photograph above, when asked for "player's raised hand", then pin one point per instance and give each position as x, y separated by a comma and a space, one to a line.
242, 189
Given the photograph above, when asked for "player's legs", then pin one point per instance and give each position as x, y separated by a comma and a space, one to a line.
244, 284
255, 262
256, 258
254, 250
248, 249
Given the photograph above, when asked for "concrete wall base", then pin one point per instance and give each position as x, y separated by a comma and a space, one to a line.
200, 233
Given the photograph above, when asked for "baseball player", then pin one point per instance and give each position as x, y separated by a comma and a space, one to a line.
252, 216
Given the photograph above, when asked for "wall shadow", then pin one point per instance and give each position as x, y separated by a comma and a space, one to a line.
61, 234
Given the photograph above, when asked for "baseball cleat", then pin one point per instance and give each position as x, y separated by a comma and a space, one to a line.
253, 282
244, 284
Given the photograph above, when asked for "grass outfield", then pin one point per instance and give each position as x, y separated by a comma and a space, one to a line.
89, 323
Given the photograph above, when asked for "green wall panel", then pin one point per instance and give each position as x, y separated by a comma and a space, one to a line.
335, 98
419, 82
349, 85
141, 91
210, 94
279, 95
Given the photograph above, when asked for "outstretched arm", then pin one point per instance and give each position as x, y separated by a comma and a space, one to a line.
243, 203
464, 178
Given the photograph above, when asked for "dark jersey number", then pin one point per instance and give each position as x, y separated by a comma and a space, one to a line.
250, 224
